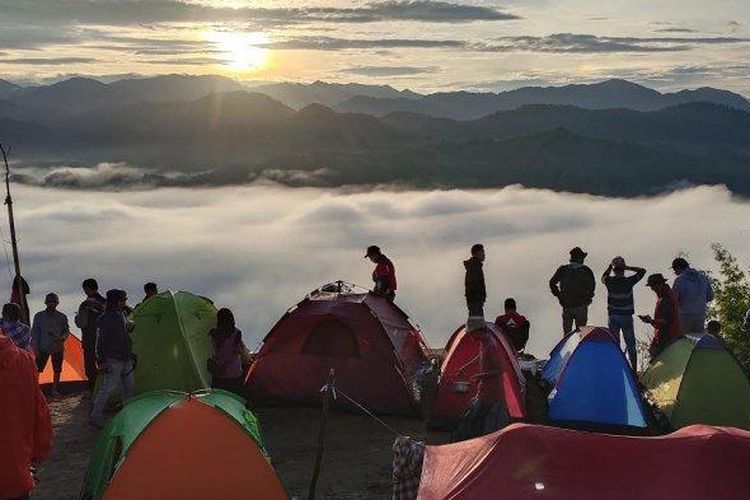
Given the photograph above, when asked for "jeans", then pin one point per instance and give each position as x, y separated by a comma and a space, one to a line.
578, 314
624, 322
475, 308
118, 372
692, 324
88, 339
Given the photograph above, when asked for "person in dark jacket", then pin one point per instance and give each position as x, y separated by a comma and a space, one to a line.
225, 364
474, 288
384, 275
114, 354
86, 319
573, 284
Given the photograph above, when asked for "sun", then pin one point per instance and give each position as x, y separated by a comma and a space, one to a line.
241, 51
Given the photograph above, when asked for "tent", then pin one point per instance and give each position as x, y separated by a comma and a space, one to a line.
73, 371
532, 462
459, 366
172, 343
371, 343
593, 384
697, 380
167, 444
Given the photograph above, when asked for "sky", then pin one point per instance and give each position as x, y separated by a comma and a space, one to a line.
424, 45
260, 249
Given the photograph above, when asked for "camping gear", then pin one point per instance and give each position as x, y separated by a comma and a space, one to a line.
167, 444
371, 343
457, 385
592, 383
171, 340
697, 380
73, 372
531, 462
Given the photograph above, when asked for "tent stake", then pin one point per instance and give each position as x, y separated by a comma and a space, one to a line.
328, 395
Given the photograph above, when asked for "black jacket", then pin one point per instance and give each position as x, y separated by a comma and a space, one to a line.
573, 285
474, 288
113, 340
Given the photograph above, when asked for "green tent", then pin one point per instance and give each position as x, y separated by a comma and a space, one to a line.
696, 380
172, 343
168, 444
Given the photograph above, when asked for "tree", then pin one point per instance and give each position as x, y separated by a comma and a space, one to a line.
731, 302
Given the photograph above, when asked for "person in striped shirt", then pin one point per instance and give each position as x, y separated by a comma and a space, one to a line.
620, 303
13, 328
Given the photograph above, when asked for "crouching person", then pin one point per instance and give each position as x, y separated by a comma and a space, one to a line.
114, 354
487, 412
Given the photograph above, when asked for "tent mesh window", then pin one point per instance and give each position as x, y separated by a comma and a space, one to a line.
333, 338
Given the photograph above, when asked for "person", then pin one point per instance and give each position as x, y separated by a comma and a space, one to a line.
474, 287
86, 319
487, 412
149, 289
620, 304
666, 320
48, 333
114, 354
25, 425
15, 330
225, 364
19, 295
573, 284
515, 325
714, 328
693, 292
384, 274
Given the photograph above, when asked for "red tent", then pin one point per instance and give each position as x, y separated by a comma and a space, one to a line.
371, 343
73, 369
527, 461
459, 366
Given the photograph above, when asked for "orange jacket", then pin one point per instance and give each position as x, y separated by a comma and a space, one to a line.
25, 426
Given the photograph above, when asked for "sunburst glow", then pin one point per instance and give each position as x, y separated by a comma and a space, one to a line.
241, 51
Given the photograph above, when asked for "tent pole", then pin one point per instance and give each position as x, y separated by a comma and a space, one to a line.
328, 395
13, 240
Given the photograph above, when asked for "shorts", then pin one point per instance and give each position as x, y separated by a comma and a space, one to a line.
57, 361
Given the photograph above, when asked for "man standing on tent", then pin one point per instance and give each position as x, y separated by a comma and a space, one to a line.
149, 289
48, 333
474, 288
620, 304
11, 325
384, 274
515, 326
487, 412
25, 426
114, 354
573, 284
88, 314
666, 320
693, 291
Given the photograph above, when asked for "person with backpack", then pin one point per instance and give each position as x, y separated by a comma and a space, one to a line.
475, 290
515, 326
86, 319
620, 304
573, 284
48, 333
225, 364
384, 275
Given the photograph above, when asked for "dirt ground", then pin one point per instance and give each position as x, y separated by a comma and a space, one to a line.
356, 462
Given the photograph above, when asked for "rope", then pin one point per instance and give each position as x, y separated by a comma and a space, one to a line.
368, 412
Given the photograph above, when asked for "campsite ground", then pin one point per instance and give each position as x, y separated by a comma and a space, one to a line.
356, 464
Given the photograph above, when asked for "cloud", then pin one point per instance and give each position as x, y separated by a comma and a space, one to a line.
734, 26
48, 61
383, 71
676, 30
334, 43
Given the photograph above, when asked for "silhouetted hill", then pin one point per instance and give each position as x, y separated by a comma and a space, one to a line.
299, 95
7, 89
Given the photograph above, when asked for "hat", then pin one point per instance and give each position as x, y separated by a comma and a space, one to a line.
655, 279
372, 250
577, 252
475, 323
51, 297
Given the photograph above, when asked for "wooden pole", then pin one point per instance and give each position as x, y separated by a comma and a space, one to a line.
18, 282
328, 395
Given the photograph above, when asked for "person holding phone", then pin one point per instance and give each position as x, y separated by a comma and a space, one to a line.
666, 320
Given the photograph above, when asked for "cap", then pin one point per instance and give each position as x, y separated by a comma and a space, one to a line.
51, 297
372, 250
578, 252
655, 279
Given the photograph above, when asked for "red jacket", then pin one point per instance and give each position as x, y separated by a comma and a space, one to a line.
666, 310
25, 426
385, 272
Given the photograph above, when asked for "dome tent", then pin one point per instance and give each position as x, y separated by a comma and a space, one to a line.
697, 380
167, 444
593, 384
73, 371
461, 355
371, 343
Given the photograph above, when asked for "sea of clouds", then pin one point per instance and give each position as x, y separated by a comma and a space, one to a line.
260, 249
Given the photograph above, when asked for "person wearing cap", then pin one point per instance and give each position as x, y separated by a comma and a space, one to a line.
574, 284
114, 354
486, 412
666, 320
475, 290
620, 304
384, 274
693, 292
48, 333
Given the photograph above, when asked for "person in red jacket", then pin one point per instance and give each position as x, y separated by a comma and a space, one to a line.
384, 274
25, 426
666, 320
515, 326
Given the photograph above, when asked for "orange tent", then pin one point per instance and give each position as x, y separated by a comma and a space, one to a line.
73, 370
